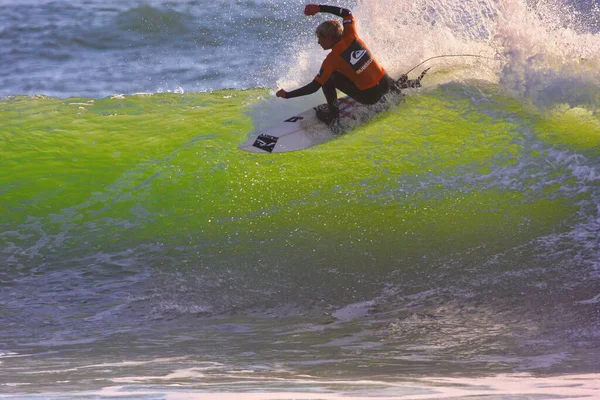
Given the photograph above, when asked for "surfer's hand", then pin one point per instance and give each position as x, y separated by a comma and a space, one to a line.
311, 9
281, 93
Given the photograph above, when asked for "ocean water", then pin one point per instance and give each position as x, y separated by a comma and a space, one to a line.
449, 248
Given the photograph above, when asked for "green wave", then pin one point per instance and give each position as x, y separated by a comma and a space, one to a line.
427, 177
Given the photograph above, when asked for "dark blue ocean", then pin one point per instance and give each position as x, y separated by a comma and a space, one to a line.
100, 48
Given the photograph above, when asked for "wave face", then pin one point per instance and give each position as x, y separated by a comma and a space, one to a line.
455, 235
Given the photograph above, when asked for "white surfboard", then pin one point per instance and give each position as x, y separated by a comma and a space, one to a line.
305, 130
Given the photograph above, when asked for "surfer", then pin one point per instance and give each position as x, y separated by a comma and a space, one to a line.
349, 67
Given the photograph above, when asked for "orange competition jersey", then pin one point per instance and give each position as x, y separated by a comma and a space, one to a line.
351, 57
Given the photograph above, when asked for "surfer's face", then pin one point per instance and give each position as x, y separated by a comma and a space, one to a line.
326, 42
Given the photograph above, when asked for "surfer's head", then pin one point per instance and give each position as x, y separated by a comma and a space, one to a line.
329, 33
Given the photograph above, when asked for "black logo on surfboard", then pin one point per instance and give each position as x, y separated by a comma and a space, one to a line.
265, 142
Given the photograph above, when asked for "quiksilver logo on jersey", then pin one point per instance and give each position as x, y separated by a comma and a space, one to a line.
356, 55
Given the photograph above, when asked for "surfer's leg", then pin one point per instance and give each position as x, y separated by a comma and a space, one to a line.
394, 86
331, 115
368, 96
330, 93
344, 84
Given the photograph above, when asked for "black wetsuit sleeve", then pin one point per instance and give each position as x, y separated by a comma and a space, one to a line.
339, 11
305, 90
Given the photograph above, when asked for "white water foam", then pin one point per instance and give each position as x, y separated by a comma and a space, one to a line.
187, 384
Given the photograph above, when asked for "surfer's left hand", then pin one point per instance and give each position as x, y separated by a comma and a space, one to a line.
281, 93
311, 9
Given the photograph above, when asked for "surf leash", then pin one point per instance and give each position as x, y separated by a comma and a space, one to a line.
443, 56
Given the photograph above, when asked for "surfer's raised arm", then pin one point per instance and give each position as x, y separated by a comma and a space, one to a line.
312, 9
